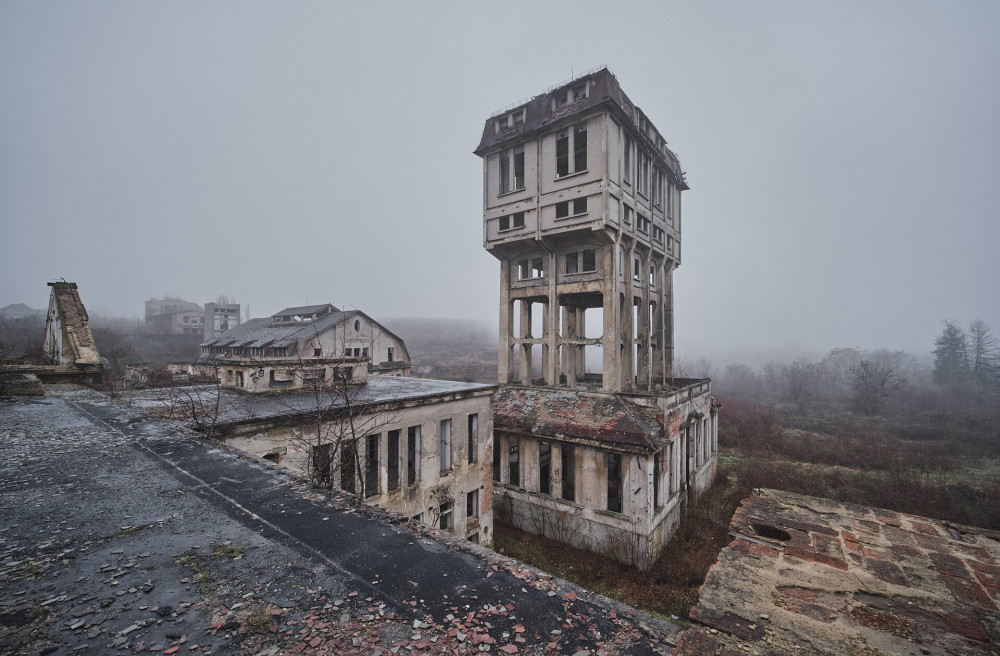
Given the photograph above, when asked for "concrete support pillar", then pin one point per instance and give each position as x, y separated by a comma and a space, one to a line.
627, 332
580, 355
506, 352
668, 322
525, 372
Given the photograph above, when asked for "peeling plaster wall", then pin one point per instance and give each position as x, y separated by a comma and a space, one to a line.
643, 528
415, 499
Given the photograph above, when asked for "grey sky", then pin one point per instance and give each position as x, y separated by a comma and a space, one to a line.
844, 157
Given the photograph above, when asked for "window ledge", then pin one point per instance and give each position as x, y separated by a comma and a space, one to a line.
567, 502
610, 513
508, 193
510, 229
581, 273
571, 216
571, 175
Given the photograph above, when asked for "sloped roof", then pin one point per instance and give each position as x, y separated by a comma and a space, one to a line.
304, 310
262, 332
610, 419
604, 92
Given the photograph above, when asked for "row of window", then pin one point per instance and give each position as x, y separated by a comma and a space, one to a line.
567, 475
397, 458
646, 181
446, 512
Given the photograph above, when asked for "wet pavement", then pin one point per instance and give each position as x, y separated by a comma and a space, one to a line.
122, 533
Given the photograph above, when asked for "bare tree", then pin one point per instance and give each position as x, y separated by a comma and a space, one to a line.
872, 383
340, 416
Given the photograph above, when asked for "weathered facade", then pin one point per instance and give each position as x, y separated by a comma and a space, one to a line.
174, 316
220, 317
582, 209
581, 206
414, 446
300, 346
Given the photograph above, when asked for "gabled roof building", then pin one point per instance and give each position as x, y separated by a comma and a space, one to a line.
299, 344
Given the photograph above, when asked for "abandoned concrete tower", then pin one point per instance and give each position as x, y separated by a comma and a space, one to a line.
597, 443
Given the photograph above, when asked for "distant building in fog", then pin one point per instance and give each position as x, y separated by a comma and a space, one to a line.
220, 317
174, 316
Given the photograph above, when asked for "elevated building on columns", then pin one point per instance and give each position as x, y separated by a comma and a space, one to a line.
582, 208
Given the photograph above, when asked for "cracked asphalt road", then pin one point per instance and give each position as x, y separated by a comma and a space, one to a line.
125, 533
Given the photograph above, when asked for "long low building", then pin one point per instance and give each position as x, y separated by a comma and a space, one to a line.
414, 446
299, 345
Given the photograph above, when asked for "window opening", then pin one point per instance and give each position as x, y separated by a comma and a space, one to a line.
544, 467
568, 473
473, 446
472, 504
412, 454
446, 510
513, 463
445, 444
371, 464
393, 464
614, 467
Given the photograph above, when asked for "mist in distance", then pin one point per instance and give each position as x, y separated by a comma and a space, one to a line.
841, 157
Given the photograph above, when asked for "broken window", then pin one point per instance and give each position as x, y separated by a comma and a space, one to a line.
505, 172
562, 154
545, 468
652, 276
519, 168
412, 454
658, 234
445, 444
317, 352
670, 244
580, 148
472, 504
582, 262
446, 511
528, 269
578, 206
572, 263
614, 467
348, 455
657, 466
364, 352
513, 463
496, 461
642, 223
515, 220
390, 354
473, 446
371, 464
322, 457
628, 159
393, 464
636, 269
628, 215
568, 473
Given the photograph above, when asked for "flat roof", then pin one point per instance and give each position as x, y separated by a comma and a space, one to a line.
805, 575
242, 407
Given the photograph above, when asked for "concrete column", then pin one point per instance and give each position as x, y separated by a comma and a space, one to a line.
525, 372
580, 353
506, 351
668, 323
642, 370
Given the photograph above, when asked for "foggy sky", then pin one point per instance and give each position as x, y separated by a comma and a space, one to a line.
842, 156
